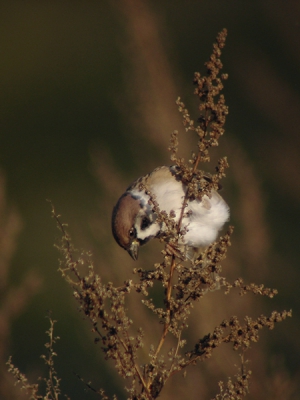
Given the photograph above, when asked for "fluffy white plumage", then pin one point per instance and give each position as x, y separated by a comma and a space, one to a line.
134, 223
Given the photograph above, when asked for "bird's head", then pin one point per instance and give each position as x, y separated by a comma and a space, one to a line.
133, 223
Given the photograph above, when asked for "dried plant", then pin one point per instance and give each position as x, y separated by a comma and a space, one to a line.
14, 299
182, 282
52, 382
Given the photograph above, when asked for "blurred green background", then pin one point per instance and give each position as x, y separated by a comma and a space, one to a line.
88, 92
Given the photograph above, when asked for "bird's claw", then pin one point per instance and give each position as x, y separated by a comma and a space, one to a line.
175, 250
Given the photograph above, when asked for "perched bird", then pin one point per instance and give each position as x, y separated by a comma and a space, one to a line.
134, 223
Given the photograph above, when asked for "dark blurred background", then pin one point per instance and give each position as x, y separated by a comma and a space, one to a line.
87, 95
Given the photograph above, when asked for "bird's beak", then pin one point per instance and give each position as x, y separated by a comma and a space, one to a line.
133, 250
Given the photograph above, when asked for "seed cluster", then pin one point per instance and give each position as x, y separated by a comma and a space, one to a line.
211, 120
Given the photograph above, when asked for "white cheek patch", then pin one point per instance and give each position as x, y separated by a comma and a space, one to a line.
150, 231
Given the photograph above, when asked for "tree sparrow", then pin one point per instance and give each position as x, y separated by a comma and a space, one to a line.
134, 222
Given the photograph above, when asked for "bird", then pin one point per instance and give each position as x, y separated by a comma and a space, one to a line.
135, 222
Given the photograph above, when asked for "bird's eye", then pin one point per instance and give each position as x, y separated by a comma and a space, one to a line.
132, 233
145, 223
